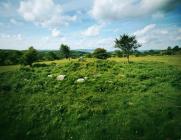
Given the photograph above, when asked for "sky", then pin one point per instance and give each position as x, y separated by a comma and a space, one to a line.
88, 24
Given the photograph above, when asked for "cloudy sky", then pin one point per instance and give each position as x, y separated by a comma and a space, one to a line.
88, 24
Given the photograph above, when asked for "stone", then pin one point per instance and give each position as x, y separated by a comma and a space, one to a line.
60, 77
80, 80
85, 78
50, 76
81, 59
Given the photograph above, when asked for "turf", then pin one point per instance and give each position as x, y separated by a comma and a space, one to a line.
139, 101
171, 60
9, 68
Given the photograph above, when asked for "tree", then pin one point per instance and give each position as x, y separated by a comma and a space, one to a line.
118, 53
127, 44
65, 51
176, 48
30, 56
88, 55
100, 53
51, 55
169, 51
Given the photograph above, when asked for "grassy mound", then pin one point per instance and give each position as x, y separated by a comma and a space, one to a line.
117, 101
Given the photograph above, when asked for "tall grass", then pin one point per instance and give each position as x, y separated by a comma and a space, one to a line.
136, 101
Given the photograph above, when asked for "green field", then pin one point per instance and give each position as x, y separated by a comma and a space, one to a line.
171, 60
118, 101
9, 68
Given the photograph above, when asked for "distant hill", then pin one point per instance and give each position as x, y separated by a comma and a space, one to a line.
84, 50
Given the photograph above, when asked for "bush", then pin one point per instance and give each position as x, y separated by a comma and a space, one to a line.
118, 53
30, 56
40, 65
100, 53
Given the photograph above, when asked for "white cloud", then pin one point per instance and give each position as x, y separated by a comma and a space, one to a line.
14, 41
178, 38
1, 24
158, 15
155, 37
19, 36
14, 37
118, 9
93, 30
92, 43
179, 30
15, 22
55, 33
44, 12
7, 9
76, 5
145, 30
20, 43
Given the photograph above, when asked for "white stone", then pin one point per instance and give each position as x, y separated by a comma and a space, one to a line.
80, 80
26, 80
60, 77
85, 78
81, 59
50, 76
110, 81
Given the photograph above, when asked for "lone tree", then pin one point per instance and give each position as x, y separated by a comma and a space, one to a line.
30, 56
169, 51
65, 50
176, 48
127, 44
100, 53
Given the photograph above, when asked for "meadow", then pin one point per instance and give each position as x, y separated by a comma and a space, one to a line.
117, 101
171, 60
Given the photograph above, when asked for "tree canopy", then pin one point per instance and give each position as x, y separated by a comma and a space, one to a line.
30, 56
65, 50
127, 44
100, 53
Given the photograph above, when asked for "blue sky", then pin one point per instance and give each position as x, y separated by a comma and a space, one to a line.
88, 24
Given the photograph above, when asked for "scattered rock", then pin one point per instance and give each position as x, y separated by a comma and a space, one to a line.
26, 80
80, 80
130, 104
50, 76
81, 59
60, 77
109, 81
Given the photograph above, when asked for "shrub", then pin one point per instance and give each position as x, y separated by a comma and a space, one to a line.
30, 56
100, 53
118, 53
40, 65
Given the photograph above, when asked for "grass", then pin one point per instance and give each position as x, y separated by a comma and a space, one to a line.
139, 101
9, 68
171, 60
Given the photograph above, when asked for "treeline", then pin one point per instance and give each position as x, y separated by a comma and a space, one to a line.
12, 57
27, 57
169, 51
101, 53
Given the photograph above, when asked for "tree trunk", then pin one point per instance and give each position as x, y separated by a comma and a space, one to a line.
128, 58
